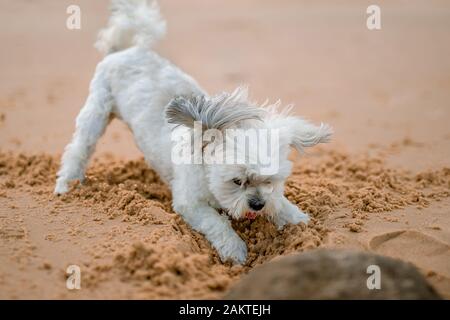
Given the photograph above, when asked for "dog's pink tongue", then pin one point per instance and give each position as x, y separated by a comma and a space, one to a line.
250, 215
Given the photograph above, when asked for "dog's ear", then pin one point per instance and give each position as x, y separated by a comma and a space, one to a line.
299, 133
218, 112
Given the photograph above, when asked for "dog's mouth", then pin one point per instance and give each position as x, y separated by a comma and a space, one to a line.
251, 215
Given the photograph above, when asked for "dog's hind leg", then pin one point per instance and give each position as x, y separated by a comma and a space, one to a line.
90, 125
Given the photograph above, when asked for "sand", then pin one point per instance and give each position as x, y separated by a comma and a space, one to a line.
382, 185
169, 260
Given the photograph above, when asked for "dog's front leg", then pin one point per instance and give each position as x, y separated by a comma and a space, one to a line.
290, 213
217, 229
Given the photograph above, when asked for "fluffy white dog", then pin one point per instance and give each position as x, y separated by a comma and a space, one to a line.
155, 98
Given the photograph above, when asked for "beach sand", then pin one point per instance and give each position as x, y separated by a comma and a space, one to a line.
381, 185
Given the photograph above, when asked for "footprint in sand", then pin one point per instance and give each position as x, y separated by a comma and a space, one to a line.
416, 247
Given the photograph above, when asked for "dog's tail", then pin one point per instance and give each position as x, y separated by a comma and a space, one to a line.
132, 23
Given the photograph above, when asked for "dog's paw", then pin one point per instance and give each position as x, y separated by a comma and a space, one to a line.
280, 221
299, 217
291, 214
233, 248
62, 186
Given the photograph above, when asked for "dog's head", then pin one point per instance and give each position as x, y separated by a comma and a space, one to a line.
245, 148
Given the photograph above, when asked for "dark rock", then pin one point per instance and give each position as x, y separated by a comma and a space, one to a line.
332, 274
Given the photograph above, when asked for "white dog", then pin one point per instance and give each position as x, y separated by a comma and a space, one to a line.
154, 98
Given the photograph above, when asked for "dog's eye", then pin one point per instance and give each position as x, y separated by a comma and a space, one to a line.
237, 182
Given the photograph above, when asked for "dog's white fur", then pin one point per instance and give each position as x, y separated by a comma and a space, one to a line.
154, 98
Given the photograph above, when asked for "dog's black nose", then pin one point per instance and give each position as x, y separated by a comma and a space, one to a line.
256, 204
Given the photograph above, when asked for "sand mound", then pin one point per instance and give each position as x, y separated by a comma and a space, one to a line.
416, 247
161, 257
